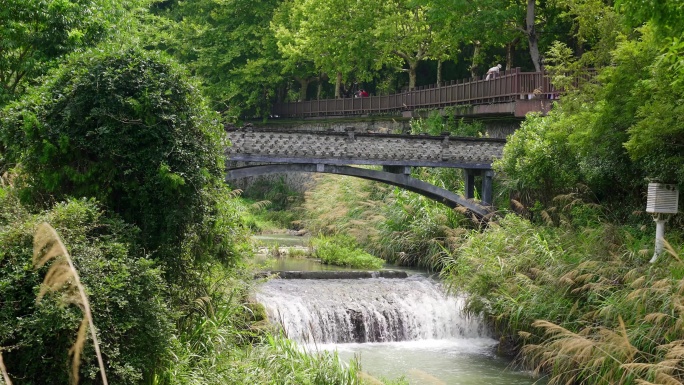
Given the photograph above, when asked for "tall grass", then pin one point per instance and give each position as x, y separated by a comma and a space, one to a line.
3, 370
393, 224
63, 276
582, 301
344, 205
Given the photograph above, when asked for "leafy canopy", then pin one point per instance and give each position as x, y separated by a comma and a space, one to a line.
126, 127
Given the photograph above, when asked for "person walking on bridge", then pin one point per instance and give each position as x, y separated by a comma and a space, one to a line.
493, 72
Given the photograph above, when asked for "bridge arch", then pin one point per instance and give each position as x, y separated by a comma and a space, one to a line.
400, 180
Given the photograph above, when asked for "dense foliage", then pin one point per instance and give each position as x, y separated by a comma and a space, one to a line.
126, 127
607, 137
132, 318
35, 34
343, 251
286, 48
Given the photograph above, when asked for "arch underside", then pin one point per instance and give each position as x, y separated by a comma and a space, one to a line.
400, 180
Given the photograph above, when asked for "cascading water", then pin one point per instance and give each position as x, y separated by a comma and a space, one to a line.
366, 310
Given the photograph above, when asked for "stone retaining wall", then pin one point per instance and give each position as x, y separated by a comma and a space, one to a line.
333, 274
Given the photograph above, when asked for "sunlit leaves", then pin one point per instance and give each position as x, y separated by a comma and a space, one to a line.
34, 33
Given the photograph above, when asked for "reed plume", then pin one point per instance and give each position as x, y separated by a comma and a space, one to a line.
5, 376
63, 276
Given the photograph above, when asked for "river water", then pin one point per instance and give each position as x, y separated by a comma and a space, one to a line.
406, 328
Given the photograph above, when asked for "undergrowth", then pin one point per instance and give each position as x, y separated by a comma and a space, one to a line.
218, 338
582, 302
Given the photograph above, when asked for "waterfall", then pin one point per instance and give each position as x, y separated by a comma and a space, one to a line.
366, 310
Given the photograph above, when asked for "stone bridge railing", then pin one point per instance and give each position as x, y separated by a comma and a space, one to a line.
347, 148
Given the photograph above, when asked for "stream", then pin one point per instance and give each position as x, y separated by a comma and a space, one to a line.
397, 327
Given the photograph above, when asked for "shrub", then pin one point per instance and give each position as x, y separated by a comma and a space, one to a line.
342, 251
126, 127
134, 324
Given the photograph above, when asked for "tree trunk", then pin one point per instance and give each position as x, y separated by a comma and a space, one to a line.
412, 74
510, 51
533, 40
303, 84
322, 77
338, 86
476, 58
439, 73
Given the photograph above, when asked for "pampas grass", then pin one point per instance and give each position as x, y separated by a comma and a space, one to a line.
62, 276
5, 376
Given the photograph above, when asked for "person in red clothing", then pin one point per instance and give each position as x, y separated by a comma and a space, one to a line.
363, 93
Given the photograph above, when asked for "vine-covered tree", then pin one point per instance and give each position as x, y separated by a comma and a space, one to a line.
126, 127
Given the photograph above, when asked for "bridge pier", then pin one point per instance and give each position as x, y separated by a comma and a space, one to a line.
469, 175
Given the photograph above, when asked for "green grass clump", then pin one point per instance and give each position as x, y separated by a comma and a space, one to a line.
342, 251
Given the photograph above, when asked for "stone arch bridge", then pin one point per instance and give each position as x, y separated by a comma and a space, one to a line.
264, 151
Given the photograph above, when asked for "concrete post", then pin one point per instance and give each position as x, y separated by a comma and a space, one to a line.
487, 187
350, 133
660, 236
469, 179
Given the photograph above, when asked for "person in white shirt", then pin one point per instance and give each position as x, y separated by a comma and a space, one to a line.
493, 72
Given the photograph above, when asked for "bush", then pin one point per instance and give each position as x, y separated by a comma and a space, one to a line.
126, 127
132, 319
342, 251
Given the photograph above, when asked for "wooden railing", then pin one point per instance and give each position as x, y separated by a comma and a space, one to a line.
508, 86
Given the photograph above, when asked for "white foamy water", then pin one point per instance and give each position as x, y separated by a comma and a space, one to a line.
396, 327
367, 310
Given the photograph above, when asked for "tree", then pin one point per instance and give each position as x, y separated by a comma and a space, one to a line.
483, 24
341, 49
656, 138
35, 33
298, 62
126, 127
404, 33
230, 47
